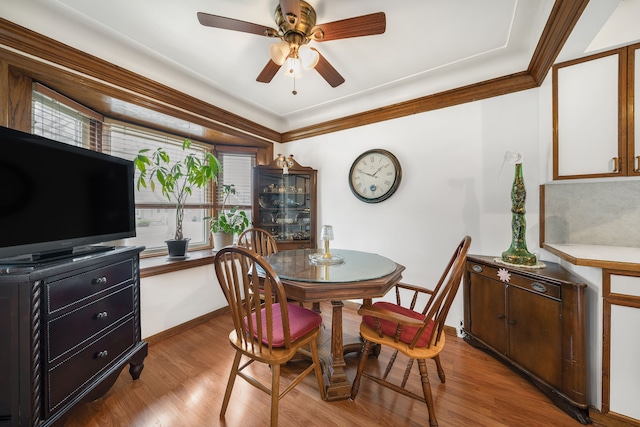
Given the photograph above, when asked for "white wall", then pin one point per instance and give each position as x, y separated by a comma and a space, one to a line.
453, 182
169, 300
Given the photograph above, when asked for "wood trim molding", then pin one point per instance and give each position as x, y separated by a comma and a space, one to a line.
487, 89
142, 91
563, 18
168, 333
50, 51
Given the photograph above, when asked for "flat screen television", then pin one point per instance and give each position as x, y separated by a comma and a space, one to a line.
57, 199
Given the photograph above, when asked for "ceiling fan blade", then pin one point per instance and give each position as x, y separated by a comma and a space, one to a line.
327, 71
235, 25
365, 25
268, 72
290, 10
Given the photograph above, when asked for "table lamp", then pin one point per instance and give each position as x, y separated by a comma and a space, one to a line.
326, 235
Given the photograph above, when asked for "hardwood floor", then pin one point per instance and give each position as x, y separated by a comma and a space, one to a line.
184, 379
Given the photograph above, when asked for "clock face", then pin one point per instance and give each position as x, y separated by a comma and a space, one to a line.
375, 176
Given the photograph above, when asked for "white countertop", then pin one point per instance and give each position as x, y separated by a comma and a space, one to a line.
613, 257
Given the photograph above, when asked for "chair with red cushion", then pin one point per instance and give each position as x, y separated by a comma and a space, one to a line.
270, 331
419, 335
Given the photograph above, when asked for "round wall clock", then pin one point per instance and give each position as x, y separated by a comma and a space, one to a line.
375, 175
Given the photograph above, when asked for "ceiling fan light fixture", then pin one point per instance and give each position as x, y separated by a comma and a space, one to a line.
309, 57
279, 52
292, 68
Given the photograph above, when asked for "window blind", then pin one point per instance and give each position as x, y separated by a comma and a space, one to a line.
236, 170
55, 117
126, 141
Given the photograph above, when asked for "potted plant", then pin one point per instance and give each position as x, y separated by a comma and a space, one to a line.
228, 222
177, 179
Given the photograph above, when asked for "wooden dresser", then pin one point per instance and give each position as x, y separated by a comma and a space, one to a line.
68, 327
533, 320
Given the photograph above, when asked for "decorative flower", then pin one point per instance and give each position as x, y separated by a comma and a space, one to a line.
504, 275
513, 157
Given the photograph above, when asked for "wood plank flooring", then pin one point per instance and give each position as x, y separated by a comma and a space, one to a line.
184, 378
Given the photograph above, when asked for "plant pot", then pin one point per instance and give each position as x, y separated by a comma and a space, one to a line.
220, 240
177, 248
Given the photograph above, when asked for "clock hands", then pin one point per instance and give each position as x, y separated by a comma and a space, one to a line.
361, 171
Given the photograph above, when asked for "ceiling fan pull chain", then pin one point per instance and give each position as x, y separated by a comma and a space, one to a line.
295, 92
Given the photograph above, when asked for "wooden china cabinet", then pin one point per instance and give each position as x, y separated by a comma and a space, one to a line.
284, 202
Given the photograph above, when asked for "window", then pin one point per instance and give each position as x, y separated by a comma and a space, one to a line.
155, 214
61, 119
236, 171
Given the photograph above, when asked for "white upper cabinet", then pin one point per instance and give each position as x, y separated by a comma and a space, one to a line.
593, 120
634, 131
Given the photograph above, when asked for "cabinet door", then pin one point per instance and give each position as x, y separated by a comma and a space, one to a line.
622, 344
8, 351
587, 137
634, 112
487, 311
535, 333
285, 207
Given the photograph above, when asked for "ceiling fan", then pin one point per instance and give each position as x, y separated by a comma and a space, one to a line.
296, 23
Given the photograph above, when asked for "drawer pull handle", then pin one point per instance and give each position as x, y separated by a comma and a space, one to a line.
99, 281
101, 315
539, 287
501, 316
102, 354
477, 268
512, 322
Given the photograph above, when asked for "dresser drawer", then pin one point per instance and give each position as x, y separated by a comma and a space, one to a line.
77, 326
65, 379
69, 290
539, 287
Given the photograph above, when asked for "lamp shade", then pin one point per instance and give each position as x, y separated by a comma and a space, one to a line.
309, 57
292, 68
326, 233
279, 52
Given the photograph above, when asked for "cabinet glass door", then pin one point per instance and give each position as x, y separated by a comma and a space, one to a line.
285, 206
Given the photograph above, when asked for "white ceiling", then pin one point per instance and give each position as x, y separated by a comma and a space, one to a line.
429, 46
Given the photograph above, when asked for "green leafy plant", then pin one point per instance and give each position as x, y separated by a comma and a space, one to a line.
178, 179
233, 221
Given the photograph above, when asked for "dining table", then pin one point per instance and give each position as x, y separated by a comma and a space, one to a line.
347, 275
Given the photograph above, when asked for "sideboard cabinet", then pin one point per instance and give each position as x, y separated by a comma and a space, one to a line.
285, 202
533, 320
68, 327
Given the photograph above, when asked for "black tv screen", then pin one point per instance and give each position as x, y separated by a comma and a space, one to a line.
55, 197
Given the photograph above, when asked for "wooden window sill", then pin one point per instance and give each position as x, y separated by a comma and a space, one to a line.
162, 264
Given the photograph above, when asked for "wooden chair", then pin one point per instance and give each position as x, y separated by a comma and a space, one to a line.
258, 240
417, 334
270, 331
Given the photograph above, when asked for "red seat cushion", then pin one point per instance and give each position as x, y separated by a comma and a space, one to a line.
301, 321
408, 332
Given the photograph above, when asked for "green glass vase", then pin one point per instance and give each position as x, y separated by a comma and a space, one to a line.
517, 252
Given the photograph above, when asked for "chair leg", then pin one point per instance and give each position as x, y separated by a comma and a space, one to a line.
275, 394
317, 367
361, 364
230, 382
426, 389
440, 370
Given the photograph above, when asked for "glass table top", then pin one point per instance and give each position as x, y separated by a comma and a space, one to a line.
357, 266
